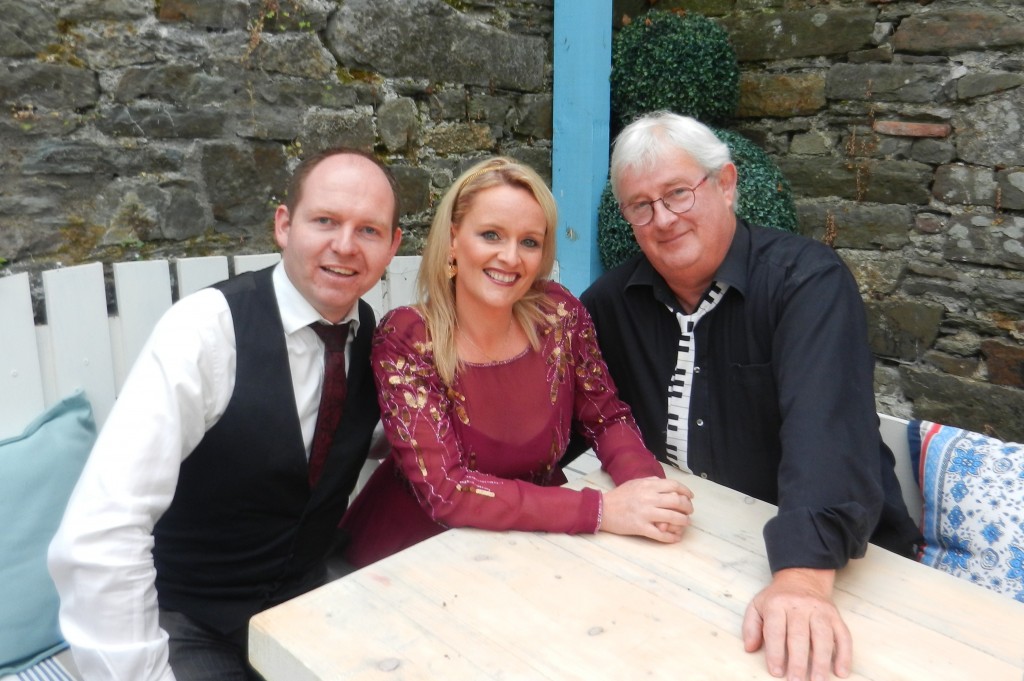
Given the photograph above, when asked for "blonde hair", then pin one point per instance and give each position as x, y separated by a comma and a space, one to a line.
437, 290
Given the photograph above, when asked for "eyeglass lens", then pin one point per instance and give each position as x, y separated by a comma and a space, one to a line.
678, 200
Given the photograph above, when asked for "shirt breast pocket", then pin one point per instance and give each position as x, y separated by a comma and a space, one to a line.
752, 391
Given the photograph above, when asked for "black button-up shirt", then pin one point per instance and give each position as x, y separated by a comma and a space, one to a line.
782, 404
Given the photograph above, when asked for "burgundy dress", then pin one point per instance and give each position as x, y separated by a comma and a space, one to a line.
484, 453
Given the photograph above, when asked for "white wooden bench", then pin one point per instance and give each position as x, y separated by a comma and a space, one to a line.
81, 346
894, 434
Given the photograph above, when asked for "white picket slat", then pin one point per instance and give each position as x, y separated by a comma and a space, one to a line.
21, 382
250, 263
48, 374
143, 292
76, 312
197, 273
401, 283
894, 434
375, 299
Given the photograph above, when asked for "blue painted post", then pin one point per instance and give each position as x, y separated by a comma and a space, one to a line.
579, 163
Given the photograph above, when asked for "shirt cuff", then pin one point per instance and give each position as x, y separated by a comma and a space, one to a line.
826, 539
590, 512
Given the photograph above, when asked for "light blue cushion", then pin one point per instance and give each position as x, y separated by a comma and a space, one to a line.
973, 489
38, 470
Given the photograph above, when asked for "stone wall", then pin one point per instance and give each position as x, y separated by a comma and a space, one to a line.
156, 128
900, 124
163, 128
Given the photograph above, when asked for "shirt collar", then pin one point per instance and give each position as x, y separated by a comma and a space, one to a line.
732, 271
296, 312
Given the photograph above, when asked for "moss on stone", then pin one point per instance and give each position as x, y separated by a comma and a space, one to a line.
63, 51
346, 75
459, 5
79, 239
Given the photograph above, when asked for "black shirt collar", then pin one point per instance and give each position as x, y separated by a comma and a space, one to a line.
732, 271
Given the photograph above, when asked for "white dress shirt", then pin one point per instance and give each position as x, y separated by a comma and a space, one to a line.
101, 557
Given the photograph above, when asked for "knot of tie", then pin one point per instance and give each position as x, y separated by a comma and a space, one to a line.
334, 336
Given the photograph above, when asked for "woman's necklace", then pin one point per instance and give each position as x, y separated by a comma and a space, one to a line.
501, 350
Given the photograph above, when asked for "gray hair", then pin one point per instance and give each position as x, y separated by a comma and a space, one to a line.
642, 143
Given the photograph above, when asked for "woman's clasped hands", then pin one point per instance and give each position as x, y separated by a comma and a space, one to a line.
656, 508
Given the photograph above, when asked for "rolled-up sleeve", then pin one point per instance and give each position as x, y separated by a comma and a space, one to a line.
830, 489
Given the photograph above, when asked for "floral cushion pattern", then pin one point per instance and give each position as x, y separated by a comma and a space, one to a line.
973, 488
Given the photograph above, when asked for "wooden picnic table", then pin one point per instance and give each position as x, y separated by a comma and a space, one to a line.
471, 604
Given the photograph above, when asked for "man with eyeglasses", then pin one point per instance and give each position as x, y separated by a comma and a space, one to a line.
743, 354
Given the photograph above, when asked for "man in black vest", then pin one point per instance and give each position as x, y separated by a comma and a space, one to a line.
199, 505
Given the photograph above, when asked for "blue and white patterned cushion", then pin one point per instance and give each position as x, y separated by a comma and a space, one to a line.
973, 489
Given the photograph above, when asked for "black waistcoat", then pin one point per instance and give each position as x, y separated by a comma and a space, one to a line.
244, 531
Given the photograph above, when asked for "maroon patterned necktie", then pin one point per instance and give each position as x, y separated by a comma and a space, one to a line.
332, 397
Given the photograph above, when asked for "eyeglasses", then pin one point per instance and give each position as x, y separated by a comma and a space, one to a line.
679, 200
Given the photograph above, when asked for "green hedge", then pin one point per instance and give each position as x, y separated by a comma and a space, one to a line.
766, 197
682, 63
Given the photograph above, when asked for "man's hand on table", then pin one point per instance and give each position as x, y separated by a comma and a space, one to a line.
655, 508
799, 626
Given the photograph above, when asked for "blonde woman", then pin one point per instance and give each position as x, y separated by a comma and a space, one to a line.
482, 381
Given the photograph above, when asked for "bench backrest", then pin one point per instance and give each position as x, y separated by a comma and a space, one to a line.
894, 434
80, 346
